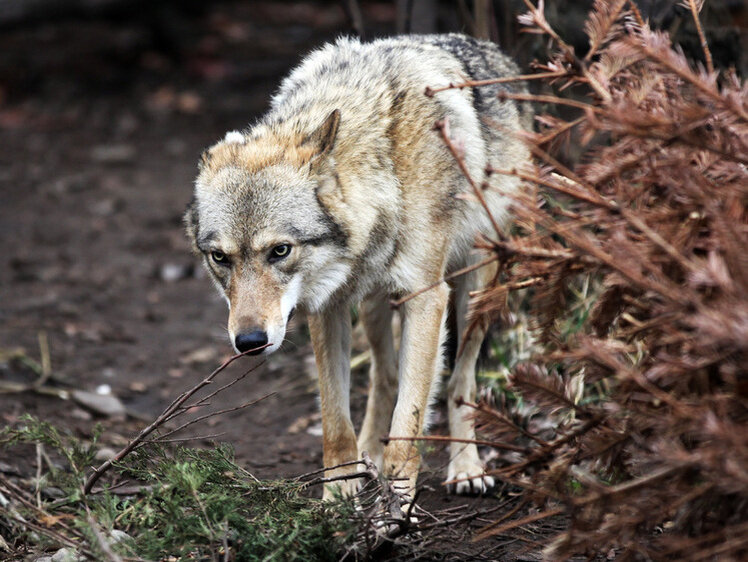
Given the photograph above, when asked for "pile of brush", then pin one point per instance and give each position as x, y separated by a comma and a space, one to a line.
647, 452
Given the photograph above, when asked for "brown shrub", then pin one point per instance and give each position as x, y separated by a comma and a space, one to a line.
656, 467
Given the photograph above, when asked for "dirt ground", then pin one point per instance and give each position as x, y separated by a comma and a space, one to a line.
101, 125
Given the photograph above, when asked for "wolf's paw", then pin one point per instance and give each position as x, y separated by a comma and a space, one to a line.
468, 479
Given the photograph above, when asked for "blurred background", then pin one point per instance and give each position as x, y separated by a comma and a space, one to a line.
105, 106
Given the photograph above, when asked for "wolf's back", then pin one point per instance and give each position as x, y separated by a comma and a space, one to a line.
356, 75
483, 60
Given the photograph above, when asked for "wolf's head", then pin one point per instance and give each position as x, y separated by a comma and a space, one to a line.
260, 219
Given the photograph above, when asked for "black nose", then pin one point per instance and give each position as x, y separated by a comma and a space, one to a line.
252, 340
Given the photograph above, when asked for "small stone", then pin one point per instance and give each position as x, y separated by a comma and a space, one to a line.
200, 355
80, 414
105, 454
43, 559
67, 555
118, 536
51, 492
138, 386
189, 102
6, 468
104, 390
106, 405
172, 272
315, 430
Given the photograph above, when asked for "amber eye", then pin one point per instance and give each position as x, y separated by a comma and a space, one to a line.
279, 252
219, 257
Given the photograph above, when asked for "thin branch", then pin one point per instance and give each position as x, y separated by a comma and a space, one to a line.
637, 14
489, 532
326, 468
54, 535
513, 285
183, 439
544, 98
161, 419
629, 486
18, 495
501, 418
103, 543
463, 271
204, 400
639, 223
46, 361
702, 38
560, 130
210, 415
562, 187
503, 80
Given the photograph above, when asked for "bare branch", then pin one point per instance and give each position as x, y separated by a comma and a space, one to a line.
167, 414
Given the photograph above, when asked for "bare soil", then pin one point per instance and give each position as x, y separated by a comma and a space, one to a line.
101, 128
101, 125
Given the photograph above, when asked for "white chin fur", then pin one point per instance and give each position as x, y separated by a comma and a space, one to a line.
275, 337
290, 298
287, 304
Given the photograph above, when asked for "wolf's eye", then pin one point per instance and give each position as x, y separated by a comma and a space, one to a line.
219, 257
279, 252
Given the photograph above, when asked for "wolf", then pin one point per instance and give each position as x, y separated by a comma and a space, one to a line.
345, 193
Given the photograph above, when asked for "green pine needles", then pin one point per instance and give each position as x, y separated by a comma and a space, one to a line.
190, 504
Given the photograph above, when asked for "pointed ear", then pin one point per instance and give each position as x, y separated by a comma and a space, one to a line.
191, 224
322, 140
204, 161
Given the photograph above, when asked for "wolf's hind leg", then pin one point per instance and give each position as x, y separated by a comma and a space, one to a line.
377, 318
331, 339
465, 464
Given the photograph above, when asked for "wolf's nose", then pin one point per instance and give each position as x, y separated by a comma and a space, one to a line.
252, 340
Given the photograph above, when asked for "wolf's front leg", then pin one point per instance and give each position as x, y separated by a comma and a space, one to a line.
420, 362
331, 338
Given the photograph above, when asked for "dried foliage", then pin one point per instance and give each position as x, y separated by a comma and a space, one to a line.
647, 452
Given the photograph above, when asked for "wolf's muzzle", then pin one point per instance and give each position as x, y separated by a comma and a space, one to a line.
251, 341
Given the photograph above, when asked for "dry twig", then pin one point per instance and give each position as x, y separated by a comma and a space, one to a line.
174, 409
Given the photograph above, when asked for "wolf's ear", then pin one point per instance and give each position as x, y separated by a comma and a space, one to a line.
191, 225
322, 140
320, 143
204, 161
